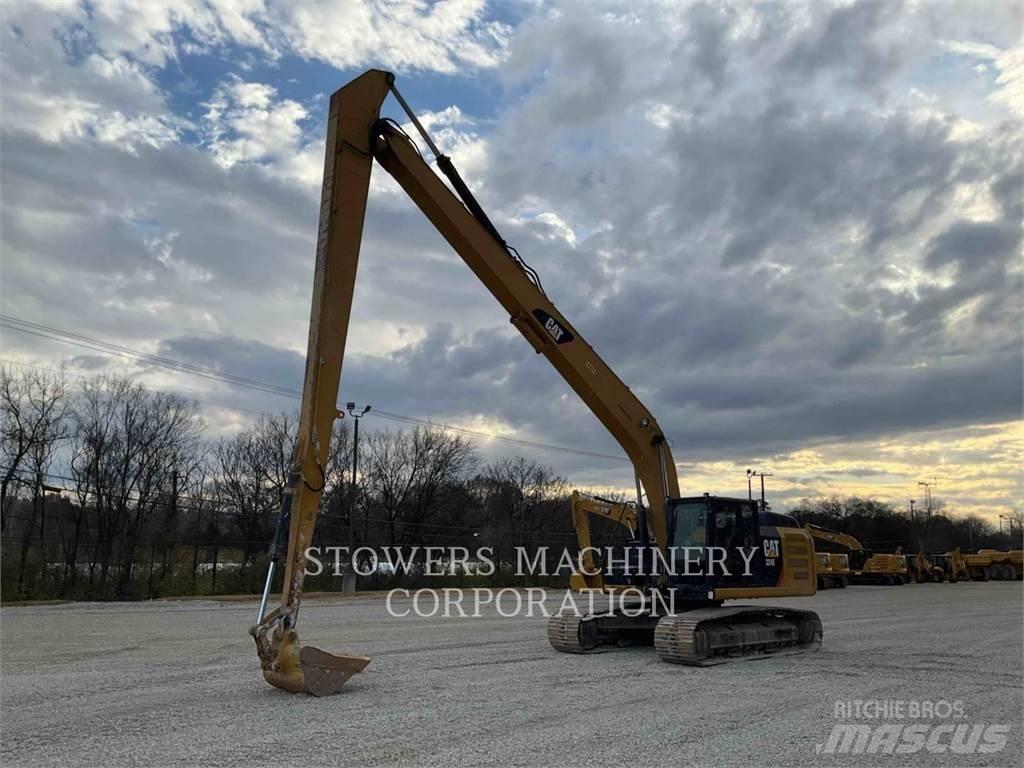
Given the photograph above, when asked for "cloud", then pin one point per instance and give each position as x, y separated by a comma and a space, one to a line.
783, 225
244, 358
246, 122
1009, 63
440, 37
409, 36
57, 84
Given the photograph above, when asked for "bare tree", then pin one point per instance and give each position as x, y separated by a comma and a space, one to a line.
524, 497
251, 470
40, 426
127, 445
33, 406
338, 502
410, 476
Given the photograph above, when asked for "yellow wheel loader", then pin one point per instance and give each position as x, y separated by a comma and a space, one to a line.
951, 566
777, 559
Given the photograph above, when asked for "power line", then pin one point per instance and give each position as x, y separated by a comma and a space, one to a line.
186, 393
98, 345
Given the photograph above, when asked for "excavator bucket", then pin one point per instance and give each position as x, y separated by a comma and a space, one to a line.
289, 666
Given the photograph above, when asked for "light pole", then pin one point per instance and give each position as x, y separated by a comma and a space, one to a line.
762, 475
1001, 518
912, 502
351, 408
928, 505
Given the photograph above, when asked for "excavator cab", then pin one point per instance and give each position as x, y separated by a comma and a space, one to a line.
720, 548
707, 534
725, 536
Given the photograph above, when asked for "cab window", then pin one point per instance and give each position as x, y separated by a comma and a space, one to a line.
691, 525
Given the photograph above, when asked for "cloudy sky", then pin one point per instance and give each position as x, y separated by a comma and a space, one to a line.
793, 229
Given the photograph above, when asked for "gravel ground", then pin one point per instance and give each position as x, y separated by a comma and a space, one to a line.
176, 683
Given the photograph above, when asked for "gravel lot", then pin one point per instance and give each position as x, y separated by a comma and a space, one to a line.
177, 683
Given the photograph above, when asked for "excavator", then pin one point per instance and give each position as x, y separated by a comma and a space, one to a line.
833, 570
866, 567
698, 630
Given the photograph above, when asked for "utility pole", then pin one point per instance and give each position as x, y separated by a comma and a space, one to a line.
348, 580
152, 544
762, 475
42, 513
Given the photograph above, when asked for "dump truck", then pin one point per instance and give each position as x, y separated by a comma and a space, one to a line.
995, 565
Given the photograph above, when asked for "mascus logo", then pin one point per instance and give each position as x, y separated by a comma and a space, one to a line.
553, 327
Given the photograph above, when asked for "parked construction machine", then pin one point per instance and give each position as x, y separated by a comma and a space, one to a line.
951, 566
866, 567
923, 568
833, 570
699, 630
995, 565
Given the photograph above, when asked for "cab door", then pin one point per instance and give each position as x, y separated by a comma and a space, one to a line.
737, 529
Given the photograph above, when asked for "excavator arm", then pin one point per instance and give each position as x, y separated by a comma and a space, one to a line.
835, 537
582, 507
516, 288
355, 137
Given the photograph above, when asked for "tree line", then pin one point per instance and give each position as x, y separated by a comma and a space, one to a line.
110, 490
883, 527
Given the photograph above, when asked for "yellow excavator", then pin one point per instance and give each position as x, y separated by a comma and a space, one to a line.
866, 567
697, 630
833, 570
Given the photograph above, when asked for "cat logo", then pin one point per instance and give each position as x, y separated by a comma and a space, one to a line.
771, 550
553, 327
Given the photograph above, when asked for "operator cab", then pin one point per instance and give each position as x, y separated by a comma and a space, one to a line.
714, 542
723, 541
